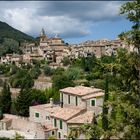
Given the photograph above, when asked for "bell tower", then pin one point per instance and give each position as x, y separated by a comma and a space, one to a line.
42, 35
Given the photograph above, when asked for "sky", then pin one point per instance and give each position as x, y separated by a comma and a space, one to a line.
74, 21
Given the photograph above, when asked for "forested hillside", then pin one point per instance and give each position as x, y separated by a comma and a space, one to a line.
7, 31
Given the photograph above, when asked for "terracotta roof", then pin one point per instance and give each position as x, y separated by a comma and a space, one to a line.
56, 38
98, 94
65, 113
80, 90
86, 117
57, 47
58, 112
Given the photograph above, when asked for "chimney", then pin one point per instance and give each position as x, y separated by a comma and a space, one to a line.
51, 102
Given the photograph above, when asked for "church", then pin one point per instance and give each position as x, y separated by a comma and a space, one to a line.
51, 48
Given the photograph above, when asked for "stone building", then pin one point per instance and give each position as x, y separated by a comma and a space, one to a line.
78, 106
98, 48
12, 58
51, 48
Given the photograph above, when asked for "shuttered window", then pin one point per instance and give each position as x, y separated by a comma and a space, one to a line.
37, 115
61, 124
76, 100
69, 99
93, 102
55, 123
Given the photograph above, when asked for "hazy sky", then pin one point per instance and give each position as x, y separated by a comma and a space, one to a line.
75, 21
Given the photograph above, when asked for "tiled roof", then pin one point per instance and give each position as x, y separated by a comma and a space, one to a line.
98, 94
80, 90
65, 113
58, 112
86, 117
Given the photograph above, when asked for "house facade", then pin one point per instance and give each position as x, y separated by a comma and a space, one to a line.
78, 106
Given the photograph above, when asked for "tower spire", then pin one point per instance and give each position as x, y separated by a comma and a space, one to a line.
42, 32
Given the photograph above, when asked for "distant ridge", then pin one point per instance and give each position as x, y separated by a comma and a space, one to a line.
6, 31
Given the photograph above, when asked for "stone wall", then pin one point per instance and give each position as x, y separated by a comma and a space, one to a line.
98, 108
72, 100
23, 124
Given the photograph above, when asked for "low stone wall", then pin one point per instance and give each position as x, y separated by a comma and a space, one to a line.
25, 125
21, 123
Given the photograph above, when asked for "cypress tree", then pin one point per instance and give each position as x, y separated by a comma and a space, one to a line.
23, 102
6, 98
105, 108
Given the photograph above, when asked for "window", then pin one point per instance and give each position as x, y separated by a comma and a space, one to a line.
61, 124
61, 97
55, 123
47, 118
69, 99
37, 115
93, 102
59, 135
76, 100
52, 132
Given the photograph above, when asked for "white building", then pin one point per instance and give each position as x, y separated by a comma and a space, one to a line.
78, 106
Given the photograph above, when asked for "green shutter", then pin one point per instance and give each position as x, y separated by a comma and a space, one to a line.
37, 115
69, 99
76, 99
61, 97
55, 123
92, 102
61, 124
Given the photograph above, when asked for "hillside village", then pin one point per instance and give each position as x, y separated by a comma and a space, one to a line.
77, 106
54, 50
53, 90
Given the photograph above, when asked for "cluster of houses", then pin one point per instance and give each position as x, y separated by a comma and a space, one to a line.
78, 106
54, 49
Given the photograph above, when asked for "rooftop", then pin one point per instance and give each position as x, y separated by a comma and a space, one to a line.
86, 117
98, 94
80, 90
58, 112
65, 113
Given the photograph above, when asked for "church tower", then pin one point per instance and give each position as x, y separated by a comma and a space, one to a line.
43, 36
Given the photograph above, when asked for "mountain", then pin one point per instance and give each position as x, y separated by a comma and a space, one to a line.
6, 31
